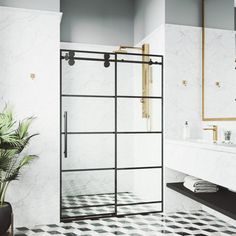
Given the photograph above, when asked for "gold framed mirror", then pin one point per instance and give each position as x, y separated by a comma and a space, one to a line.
218, 67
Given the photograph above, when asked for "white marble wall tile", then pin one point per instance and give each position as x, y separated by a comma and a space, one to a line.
88, 77
187, 100
83, 183
89, 114
182, 103
147, 184
27, 46
220, 67
89, 151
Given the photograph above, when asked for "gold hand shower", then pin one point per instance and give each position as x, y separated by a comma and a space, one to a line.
146, 76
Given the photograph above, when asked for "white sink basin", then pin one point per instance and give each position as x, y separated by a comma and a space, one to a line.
211, 142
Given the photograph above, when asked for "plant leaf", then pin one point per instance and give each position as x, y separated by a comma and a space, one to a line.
5, 161
13, 140
23, 127
13, 175
26, 160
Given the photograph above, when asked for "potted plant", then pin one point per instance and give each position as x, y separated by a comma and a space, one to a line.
14, 137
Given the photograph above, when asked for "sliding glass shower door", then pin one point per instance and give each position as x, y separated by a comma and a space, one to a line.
111, 156
88, 145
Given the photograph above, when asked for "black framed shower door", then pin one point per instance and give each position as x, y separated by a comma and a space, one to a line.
93, 187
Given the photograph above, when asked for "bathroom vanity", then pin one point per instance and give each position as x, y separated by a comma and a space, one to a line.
215, 163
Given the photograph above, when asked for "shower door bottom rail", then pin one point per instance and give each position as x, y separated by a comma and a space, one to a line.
123, 204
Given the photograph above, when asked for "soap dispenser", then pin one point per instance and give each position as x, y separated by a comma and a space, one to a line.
186, 131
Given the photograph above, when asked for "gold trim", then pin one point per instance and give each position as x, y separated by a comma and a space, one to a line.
184, 83
203, 74
219, 119
203, 59
145, 82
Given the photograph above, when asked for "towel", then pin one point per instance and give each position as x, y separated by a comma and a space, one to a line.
211, 189
195, 182
199, 186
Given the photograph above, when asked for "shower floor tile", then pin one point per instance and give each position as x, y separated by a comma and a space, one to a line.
198, 223
95, 199
101, 199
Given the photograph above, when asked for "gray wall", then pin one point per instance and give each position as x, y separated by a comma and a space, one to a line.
49, 5
148, 15
183, 12
218, 13
108, 22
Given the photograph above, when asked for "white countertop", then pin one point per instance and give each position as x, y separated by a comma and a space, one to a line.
229, 148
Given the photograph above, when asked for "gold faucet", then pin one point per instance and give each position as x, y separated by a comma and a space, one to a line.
214, 128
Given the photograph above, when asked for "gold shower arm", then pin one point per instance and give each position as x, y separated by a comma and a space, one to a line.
130, 47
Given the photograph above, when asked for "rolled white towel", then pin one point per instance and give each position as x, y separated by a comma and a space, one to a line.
195, 182
202, 189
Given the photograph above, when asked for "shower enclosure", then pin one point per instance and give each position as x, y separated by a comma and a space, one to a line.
111, 161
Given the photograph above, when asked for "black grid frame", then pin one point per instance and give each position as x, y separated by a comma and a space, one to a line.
159, 62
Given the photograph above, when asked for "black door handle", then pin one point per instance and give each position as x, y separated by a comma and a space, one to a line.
65, 136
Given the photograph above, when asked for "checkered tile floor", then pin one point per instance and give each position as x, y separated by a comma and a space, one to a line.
98, 199
198, 223
102, 199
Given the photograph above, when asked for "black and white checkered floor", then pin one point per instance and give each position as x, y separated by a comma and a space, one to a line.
198, 223
69, 202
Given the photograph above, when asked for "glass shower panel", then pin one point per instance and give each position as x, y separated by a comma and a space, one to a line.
88, 211
87, 193
130, 115
139, 150
139, 186
130, 77
88, 77
139, 208
88, 114
89, 151
111, 146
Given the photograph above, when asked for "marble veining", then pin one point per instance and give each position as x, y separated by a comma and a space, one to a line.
220, 67
27, 46
183, 62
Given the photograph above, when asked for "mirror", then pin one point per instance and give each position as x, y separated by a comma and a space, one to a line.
218, 60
